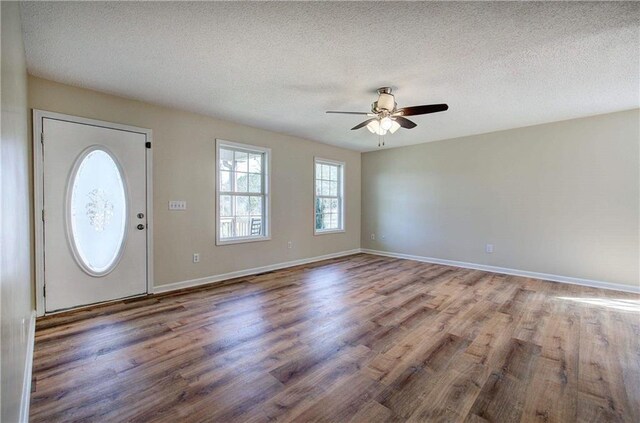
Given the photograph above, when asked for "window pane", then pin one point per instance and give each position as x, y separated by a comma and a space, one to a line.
319, 212
242, 181
255, 226
328, 213
326, 188
241, 226
242, 205
225, 205
98, 212
333, 205
255, 206
226, 227
327, 221
241, 161
334, 173
333, 188
255, 163
241, 172
225, 181
226, 159
255, 183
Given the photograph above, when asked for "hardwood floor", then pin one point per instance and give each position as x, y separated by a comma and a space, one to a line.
357, 339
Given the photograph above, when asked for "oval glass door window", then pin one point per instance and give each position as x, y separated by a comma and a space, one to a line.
97, 211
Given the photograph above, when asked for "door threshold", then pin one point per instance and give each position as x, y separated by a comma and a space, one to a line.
86, 307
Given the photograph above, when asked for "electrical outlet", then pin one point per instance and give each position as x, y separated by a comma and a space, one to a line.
289, 245
373, 237
177, 205
488, 248
196, 257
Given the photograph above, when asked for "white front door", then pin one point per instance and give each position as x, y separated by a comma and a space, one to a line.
95, 217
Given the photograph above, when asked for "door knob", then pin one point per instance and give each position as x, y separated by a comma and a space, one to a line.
140, 227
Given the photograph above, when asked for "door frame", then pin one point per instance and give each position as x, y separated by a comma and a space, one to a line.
38, 193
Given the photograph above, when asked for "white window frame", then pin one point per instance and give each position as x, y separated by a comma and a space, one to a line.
341, 196
266, 183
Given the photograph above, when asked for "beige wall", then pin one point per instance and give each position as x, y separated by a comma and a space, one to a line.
16, 293
560, 198
184, 169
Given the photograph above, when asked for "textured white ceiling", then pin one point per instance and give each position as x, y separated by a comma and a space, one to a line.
281, 65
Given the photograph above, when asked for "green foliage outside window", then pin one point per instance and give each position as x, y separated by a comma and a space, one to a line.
319, 214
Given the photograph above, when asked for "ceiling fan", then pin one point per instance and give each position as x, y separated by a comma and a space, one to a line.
386, 117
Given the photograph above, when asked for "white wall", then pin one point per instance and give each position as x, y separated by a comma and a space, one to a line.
16, 293
560, 198
184, 169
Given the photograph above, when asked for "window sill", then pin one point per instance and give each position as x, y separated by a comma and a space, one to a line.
330, 231
242, 240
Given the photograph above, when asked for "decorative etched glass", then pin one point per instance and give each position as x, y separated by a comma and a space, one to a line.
97, 211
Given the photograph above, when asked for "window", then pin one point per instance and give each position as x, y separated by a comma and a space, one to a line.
97, 211
242, 193
329, 203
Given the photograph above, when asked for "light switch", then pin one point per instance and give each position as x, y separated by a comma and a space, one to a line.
177, 205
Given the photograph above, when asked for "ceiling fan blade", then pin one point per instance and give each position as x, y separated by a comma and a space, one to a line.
363, 124
349, 113
422, 110
405, 123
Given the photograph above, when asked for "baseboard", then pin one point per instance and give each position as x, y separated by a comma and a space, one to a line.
28, 369
240, 273
507, 271
495, 269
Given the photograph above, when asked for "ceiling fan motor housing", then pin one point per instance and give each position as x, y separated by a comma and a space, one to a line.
385, 102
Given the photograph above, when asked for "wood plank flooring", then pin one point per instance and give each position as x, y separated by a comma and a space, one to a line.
356, 339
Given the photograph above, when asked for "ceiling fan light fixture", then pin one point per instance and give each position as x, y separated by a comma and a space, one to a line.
375, 128
385, 117
386, 123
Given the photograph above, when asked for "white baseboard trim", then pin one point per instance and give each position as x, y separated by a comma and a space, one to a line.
495, 269
240, 273
28, 369
507, 271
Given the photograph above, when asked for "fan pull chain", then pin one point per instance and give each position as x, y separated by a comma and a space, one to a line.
380, 140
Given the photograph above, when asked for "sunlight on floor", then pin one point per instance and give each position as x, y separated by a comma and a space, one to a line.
618, 304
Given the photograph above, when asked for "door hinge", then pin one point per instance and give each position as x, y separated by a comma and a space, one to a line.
148, 144
42, 137
44, 290
43, 215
